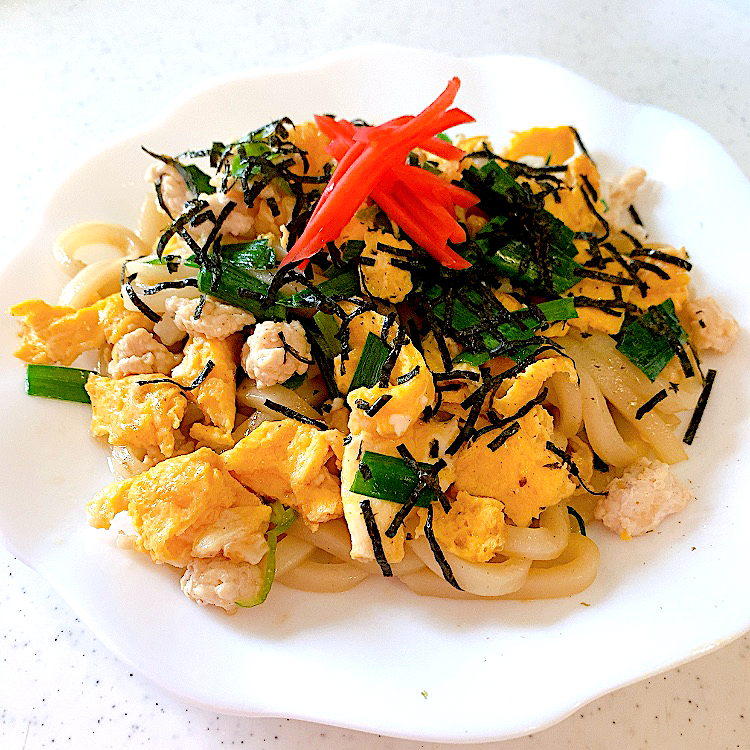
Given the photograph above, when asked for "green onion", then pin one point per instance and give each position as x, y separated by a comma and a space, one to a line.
281, 518
345, 284
295, 381
648, 340
389, 478
257, 255
237, 286
371, 361
328, 327
52, 381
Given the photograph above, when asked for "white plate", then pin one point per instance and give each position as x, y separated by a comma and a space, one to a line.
379, 658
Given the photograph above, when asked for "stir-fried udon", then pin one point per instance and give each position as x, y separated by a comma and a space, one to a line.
332, 350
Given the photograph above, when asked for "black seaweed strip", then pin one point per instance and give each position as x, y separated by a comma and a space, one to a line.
406, 377
137, 301
592, 208
579, 141
179, 284
365, 471
498, 422
199, 307
581, 525
406, 508
437, 552
367, 260
634, 215
289, 349
700, 407
390, 319
592, 189
508, 432
414, 335
427, 477
160, 198
636, 242
378, 404
390, 360
632, 272
325, 365
179, 224
662, 256
642, 265
570, 465
292, 414
204, 373
457, 375
644, 409
434, 448
609, 278
375, 538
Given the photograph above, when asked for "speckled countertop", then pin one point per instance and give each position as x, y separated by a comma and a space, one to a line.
75, 74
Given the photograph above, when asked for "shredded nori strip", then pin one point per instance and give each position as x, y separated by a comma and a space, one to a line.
445, 567
378, 404
434, 448
700, 407
570, 465
365, 471
292, 414
127, 285
162, 285
634, 215
375, 538
581, 525
204, 373
662, 256
407, 376
508, 432
644, 409
289, 349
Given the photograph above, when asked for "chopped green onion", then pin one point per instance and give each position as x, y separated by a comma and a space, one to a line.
345, 284
295, 381
371, 361
52, 381
646, 341
281, 518
328, 327
237, 286
389, 478
257, 255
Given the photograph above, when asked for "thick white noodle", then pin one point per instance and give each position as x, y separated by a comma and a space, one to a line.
291, 552
252, 397
333, 537
91, 283
90, 241
483, 579
543, 543
331, 577
566, 396
574, 571
600, 427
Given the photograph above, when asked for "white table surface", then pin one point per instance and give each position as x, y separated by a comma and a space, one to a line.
75, 74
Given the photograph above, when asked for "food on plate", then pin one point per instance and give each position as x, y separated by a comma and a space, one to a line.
334, 350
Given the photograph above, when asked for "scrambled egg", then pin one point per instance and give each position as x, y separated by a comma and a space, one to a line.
144, 418
287, 461
59, 335
216, 394
177, 504
522, 471
475, 528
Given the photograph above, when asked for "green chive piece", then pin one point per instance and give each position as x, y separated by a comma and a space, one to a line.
52, 381
371, 361
281, 519
389, 478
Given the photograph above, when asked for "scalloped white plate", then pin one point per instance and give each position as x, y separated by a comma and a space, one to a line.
379, 658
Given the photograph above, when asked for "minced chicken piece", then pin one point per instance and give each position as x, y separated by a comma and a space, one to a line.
217, 320
709, 326
266, 358
139, 353
641, 498
621, 196
221, 582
